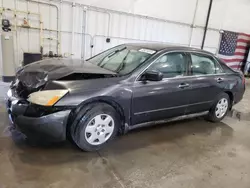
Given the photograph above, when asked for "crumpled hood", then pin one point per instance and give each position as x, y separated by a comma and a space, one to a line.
37, 74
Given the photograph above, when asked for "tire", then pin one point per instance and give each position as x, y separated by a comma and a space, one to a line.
216, 115
94, 126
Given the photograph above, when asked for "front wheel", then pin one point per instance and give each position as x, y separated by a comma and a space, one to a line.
220, 108
97, 124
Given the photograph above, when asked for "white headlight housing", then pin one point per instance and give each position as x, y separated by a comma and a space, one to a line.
47, 98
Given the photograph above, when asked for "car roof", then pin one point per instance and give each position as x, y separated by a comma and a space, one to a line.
166, 47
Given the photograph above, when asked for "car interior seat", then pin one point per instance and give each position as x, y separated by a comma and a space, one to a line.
206, 67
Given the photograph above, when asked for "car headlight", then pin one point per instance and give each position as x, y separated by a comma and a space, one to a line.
47, 98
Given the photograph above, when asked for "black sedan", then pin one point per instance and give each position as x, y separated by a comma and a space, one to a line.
125, 87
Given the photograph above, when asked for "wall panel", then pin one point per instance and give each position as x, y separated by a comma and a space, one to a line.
171, 24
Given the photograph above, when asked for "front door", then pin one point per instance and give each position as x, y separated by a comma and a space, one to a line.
158, 100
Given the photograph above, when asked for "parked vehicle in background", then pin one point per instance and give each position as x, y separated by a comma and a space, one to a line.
118, 90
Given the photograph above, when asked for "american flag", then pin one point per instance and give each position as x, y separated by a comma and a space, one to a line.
233, 48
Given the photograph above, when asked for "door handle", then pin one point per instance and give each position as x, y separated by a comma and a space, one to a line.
219, 80
183, 85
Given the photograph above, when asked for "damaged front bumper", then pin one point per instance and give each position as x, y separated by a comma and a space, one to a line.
43, 125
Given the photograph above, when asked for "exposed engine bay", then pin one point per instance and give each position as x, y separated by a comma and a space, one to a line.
85, 76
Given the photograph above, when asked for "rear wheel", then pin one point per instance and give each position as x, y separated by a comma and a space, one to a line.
94, 126
220, 108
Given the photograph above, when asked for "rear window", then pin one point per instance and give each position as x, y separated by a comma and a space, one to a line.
204, 65
226, 69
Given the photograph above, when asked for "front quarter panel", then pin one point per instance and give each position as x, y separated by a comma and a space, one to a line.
120, 94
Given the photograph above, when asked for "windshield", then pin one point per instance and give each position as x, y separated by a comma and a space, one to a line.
122, 59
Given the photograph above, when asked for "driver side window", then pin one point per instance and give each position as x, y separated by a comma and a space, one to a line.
170, 65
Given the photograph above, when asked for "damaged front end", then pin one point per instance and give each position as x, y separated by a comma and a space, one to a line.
34, 95
28, 82
40, 123
37, 122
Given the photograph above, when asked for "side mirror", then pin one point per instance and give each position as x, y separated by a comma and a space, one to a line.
152, 76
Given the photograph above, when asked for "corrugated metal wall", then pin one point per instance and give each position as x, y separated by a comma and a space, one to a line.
92, 26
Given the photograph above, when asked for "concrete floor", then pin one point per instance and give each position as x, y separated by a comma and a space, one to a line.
188, 154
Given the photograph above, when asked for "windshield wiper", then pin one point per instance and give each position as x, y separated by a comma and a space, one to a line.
110, 55
122, 65
117, 51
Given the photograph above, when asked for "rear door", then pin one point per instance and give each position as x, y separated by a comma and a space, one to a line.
207, 80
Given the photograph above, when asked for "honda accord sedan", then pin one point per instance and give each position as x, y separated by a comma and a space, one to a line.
128, 86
